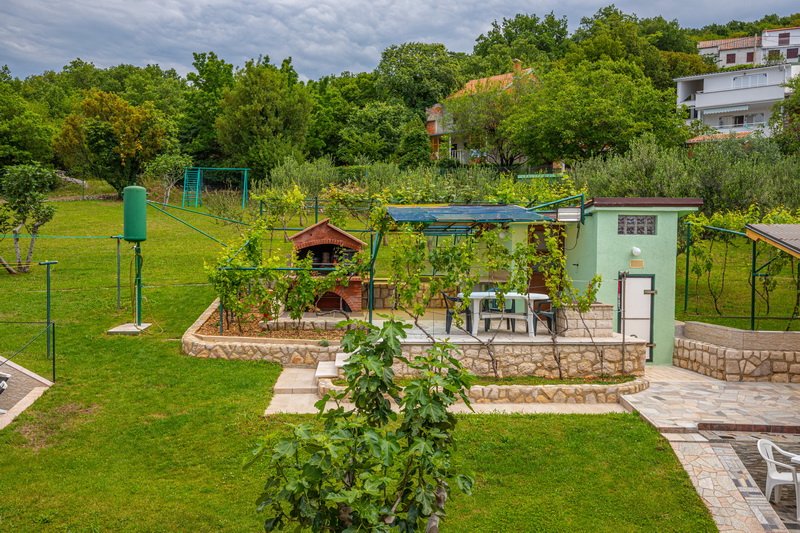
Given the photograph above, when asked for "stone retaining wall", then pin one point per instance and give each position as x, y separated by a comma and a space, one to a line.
298, 353
534, 357
597, 321
737, 355
245, 348
537, 393
526, 356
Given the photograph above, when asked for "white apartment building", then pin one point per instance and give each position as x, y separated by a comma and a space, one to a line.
741, 101
737, 101
781, 43
771, 45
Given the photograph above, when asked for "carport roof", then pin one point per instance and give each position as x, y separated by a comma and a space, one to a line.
785, 237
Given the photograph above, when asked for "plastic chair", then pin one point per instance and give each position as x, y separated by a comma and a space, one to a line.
451, 311
776, 478
549, 316
491, 306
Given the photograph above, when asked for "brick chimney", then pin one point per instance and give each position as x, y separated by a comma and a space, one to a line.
517, 67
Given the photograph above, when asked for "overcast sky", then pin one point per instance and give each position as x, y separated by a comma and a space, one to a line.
322, 36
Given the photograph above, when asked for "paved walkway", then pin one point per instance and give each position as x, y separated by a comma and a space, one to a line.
678, 402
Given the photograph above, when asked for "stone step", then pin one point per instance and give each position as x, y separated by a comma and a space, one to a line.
341, 359
296, 381
326, 369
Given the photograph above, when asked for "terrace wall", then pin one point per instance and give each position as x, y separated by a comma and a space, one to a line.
597, 322
738, 355
524, 356
571, 394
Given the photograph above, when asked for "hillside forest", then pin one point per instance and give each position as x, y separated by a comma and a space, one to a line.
601, 100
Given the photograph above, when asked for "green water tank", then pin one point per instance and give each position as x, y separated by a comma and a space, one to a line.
134, 201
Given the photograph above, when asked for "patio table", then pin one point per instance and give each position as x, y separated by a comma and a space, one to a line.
477, 297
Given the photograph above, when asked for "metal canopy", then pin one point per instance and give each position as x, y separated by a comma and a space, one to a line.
460, 219
785, 237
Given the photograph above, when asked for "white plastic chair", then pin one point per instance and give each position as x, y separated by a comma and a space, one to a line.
776, 478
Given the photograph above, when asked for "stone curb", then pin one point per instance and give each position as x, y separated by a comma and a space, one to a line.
589, 394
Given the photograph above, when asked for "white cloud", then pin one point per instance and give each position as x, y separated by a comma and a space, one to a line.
322, 36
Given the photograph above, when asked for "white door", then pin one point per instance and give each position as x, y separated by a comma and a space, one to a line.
636, 308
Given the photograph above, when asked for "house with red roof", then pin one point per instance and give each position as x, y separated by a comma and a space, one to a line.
439, 127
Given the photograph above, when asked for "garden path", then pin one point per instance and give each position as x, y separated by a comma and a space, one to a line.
679, 401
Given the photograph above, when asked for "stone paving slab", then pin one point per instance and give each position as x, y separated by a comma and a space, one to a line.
725, 487
744, 444
725, 475
295, 380
678, 406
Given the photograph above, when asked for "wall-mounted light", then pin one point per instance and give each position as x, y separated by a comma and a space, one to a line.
502, 235
568, 214
636, 251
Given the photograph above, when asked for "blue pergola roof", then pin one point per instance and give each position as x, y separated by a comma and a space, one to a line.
443, 218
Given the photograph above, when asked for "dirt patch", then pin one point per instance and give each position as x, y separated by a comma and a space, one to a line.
41, 430
249, 326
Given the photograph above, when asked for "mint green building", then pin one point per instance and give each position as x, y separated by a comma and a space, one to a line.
632, 243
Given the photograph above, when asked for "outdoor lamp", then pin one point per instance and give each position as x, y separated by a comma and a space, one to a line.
568, 214
636, 251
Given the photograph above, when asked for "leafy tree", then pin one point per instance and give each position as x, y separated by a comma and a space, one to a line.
52, 93
335, 99
264, 117
667, 35
785, 119
311, 176
414, 148
167, 169
203, 105
612, 35
590, 110
111, 139
417, 74
24, 134
164, 89
23, 189
680, 64
525, 37
372, 469
478, 116
82, 75
738, 28
373, 132
730, 174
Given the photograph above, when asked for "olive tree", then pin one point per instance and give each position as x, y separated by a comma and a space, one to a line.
23, 188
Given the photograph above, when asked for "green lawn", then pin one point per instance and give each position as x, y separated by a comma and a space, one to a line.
729, 280
137, 437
